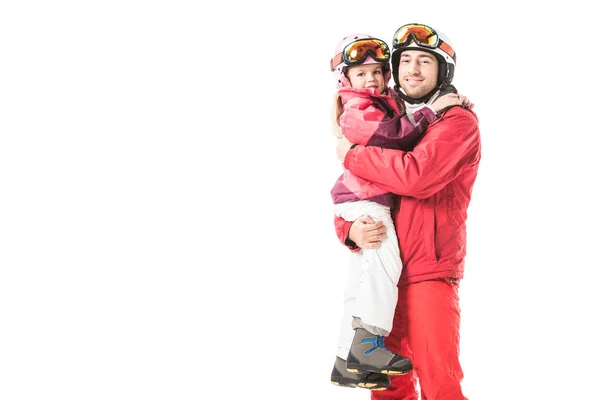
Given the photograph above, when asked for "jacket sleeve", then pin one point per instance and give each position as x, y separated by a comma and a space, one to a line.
449, 146
360, 120
342, 229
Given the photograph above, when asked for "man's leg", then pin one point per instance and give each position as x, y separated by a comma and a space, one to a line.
402, 387
433, 323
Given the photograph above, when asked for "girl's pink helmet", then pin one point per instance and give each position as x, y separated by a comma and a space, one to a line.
340, 68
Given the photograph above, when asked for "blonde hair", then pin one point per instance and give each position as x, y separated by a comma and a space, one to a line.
336, 112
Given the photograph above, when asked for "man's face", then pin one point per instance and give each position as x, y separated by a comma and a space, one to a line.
417, 72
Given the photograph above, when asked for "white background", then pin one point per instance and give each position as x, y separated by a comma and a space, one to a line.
165, 220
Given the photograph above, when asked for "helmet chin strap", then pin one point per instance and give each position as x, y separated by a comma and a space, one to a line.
437, 91
412, 100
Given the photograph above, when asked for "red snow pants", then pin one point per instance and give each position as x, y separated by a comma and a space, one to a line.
426, 330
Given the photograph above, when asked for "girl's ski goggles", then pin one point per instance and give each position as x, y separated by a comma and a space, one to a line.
357, 52
422, 35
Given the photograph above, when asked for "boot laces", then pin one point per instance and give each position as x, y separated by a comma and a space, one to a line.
377, 343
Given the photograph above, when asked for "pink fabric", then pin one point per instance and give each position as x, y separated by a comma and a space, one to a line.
373, 119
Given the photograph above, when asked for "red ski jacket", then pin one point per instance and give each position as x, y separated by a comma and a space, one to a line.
435, 181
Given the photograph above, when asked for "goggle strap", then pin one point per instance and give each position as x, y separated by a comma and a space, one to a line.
446, 47
336, 60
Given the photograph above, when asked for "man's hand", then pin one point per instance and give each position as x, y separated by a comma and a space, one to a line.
343, 145
366, 233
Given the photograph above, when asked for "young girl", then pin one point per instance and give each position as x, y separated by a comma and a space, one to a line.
369, 115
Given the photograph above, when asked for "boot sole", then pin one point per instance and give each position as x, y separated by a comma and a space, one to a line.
363, 369
354, 384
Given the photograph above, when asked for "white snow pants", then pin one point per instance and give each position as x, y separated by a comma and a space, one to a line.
372, 292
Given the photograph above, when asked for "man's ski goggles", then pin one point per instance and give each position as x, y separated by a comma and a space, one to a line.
422, 35
357, 52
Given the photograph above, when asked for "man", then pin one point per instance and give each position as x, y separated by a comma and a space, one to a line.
434, 183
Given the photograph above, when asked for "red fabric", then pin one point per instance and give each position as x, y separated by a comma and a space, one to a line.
426, 329
342, 228
435, 181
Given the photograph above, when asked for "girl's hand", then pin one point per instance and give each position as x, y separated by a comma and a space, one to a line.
343, 145
445, 101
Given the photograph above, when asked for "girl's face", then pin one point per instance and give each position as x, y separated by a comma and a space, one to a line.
367, 76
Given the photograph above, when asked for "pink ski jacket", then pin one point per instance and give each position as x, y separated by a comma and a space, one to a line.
373, 119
